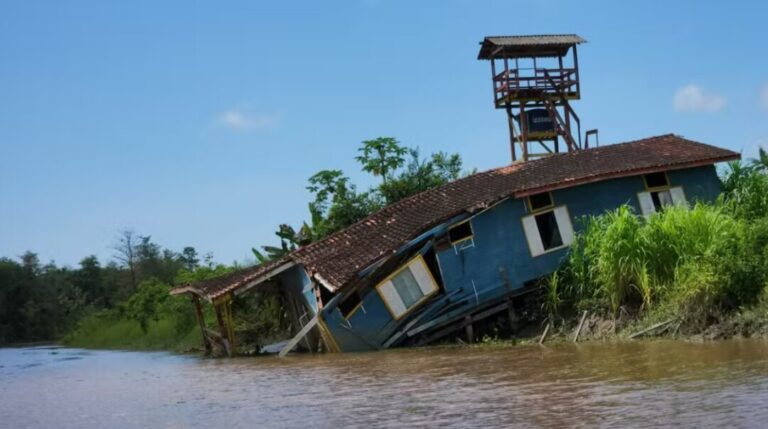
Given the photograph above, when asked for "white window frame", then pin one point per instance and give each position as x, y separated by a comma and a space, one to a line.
533, 237
424, 279
647, 208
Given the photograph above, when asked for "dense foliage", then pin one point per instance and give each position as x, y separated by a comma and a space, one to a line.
42, 302
695, 265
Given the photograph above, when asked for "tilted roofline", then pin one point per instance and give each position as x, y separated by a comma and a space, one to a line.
337, 260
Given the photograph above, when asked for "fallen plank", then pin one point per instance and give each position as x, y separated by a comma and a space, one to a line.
652, 328
295, 340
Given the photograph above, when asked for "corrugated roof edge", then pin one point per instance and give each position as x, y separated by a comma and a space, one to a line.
576, 38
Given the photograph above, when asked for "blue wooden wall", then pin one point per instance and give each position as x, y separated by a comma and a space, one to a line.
500, 259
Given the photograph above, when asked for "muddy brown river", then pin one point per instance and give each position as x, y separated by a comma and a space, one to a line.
643, 384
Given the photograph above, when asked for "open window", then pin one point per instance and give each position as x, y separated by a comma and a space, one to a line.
548, 230
460, 232
461, 236
407, 287
542, 201
350, 304
659, 194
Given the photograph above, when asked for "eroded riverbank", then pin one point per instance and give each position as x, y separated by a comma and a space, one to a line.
647, 383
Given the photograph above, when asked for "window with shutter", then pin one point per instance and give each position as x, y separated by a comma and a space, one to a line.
659, 194
548, 231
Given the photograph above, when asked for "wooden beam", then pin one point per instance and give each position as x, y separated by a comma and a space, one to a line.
223, 328
201, 322
652, 328
298, 337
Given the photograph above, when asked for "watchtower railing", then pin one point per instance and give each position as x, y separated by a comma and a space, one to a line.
509, 85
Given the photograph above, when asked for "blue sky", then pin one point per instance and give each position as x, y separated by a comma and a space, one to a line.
198, 123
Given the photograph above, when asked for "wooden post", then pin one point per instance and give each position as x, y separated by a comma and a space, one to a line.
576, 66
230, 324
578, 330
201, 322
223, 328
544, 335
511, 121
524, 131
513, 325
469, 330
493, 80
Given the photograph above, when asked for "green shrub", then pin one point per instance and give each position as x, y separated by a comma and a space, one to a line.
692, 262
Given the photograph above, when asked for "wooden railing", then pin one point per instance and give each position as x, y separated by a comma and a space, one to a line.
509, 84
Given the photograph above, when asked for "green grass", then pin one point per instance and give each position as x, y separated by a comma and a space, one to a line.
106, 331
698, 266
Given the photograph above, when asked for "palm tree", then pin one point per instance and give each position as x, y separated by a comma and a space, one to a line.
761, 162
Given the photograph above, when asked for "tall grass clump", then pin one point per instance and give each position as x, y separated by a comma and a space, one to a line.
694, 264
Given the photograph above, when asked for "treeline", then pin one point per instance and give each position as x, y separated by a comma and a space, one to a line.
40, 302
699, 267
113, 304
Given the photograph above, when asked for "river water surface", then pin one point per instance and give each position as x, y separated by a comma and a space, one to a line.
643, 384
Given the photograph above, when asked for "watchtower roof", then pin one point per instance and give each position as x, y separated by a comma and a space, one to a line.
542, 45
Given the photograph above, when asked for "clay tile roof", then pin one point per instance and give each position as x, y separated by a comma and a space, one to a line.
339, 258
218, 286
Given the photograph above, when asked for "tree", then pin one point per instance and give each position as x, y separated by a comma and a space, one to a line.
189, 258
288, 241
142, 306
337, 204
761, 162
420, 175
126, 253
30, 263
381, 156
89, 280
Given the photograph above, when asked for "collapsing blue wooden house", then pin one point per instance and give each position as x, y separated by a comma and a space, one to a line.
448, 257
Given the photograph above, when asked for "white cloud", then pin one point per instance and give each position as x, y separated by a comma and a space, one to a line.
239, 119
764, 96
692, 98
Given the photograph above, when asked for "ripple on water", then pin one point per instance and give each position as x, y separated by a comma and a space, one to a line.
635, 384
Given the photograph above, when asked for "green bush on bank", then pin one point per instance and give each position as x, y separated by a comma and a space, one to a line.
695, 265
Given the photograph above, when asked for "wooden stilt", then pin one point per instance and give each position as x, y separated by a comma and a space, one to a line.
223, 328
469, 331
201, 322
513, 319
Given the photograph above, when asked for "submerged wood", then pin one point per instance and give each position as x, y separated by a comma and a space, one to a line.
652, 328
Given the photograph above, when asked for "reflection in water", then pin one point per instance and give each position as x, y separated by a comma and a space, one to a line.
635, 384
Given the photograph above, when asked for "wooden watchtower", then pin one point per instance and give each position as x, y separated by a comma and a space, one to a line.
534, 79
